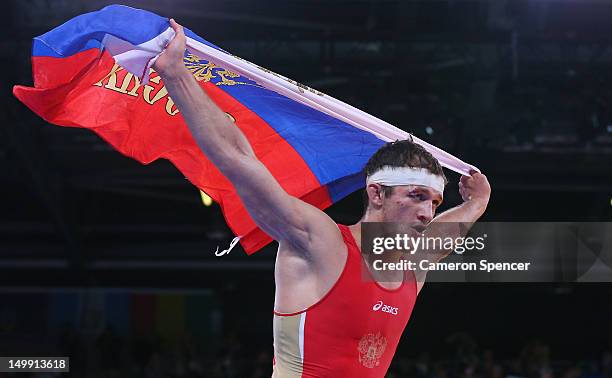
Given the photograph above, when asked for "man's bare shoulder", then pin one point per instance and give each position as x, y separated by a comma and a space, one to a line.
324, 234
325, 246
304, 277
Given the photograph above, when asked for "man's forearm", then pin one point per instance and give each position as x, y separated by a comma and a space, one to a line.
467, 212
216, 135
453, 223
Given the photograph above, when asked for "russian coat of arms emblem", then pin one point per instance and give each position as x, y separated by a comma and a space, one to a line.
371, 347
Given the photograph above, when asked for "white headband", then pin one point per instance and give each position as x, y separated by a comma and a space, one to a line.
396, 176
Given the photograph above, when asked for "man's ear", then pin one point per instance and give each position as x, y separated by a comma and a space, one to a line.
375, 194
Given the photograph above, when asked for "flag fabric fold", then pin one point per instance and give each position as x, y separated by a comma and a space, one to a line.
94, 72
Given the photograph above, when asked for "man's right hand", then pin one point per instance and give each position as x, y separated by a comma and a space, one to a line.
170, 63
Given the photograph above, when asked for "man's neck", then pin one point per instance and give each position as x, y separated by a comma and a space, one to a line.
369, 216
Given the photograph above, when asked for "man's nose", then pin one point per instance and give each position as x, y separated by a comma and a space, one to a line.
425, 213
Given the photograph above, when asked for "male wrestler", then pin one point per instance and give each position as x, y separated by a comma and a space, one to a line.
328, 320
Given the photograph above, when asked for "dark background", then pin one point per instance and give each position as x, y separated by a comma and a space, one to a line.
521, 89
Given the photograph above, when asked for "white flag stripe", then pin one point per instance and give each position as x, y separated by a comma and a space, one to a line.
147, 53
326, 104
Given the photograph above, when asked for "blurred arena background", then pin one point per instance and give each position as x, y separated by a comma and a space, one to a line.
112, 263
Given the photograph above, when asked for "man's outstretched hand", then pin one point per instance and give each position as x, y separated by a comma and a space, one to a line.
170, 63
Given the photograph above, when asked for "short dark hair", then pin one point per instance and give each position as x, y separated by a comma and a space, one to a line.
401, 153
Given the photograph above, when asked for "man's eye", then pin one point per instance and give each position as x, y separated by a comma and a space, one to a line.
418, 196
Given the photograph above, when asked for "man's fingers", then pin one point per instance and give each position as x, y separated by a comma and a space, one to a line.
177, 43
178, 29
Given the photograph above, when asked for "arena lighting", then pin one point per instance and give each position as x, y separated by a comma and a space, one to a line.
206, 200
429, 130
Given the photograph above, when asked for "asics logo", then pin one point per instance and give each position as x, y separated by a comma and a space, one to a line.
385, 308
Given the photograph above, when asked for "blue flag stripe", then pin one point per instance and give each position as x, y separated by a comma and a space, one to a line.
88, 30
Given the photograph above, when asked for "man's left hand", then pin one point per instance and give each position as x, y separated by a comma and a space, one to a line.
475, 188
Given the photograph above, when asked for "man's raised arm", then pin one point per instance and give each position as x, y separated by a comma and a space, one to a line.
475, 192
282, 216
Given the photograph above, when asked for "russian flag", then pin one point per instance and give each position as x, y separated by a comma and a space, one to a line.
94, 72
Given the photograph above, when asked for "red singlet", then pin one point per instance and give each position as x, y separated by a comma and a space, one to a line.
352, 331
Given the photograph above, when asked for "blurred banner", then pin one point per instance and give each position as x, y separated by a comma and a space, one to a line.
52, 315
